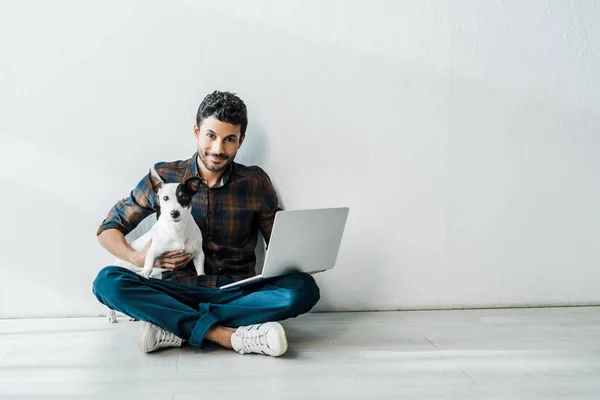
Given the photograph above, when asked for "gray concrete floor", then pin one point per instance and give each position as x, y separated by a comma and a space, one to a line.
471, 354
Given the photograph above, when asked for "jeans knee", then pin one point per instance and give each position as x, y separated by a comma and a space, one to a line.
301, 293
310, 291
110, 282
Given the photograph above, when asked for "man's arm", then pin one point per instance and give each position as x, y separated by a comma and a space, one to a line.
270, 207
114, 241
130, 211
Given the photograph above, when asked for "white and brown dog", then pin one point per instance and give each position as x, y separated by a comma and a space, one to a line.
175, 228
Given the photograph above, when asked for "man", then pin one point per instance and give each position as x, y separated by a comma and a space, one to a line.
232, 205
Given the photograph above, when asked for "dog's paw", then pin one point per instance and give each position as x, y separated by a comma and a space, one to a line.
145, 274
133, 319
111, 315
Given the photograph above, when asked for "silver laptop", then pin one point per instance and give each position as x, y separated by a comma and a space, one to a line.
303, 240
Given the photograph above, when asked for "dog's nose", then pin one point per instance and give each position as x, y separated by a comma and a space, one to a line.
175, 214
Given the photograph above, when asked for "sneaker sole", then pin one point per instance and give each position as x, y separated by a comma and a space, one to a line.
144, 332
283, 344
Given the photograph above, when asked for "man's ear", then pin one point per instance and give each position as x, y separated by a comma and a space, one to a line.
193, 184
156, 180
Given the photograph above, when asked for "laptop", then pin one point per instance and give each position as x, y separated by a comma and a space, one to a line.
302, 240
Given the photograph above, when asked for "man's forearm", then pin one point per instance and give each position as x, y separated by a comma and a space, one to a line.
114, 241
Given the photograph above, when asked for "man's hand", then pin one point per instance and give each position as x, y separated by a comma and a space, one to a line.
172, 260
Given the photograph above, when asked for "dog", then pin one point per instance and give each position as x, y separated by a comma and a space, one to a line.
175, 228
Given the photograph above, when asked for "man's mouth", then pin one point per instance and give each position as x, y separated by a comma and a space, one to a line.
216, 159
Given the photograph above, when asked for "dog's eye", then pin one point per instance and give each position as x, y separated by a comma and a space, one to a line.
166, 198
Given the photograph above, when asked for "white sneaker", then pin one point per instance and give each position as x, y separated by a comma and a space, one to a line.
153, 337
268, 338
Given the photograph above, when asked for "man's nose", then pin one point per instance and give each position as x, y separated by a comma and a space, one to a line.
217, 147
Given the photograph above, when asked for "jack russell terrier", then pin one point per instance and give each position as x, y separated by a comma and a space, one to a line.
175, 228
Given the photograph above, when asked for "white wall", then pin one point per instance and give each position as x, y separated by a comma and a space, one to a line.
463, 135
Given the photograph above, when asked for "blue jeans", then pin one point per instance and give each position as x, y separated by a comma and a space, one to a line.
189, 311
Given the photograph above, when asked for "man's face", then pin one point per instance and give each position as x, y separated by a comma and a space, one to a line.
218, 143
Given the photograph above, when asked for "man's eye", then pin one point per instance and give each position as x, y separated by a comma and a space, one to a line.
166, 198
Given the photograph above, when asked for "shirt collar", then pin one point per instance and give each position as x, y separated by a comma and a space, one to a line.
196, 171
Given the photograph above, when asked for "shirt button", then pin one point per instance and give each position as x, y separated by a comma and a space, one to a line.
214, 254
209, 214
209, 238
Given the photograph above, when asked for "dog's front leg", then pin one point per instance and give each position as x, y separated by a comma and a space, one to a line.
149, 263
199, 262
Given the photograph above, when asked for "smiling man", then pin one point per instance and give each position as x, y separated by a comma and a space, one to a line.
234, 203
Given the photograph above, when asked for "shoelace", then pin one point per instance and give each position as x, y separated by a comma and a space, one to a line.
253, 340
167, 338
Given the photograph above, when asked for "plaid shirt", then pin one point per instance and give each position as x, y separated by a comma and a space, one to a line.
229, 216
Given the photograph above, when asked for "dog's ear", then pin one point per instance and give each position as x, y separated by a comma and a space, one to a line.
193, 184
157, 182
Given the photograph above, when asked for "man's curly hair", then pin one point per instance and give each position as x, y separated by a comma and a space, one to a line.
226, 107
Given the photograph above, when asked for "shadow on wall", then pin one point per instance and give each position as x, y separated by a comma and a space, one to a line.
255, 148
